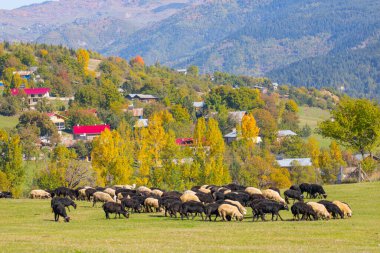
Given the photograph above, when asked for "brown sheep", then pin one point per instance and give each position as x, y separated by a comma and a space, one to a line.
225, 210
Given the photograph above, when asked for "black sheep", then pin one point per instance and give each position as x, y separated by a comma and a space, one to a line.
205, 197
305, 210
60, 210
212, 209
317, 190
174, 207
218, 195
305, 187
171, 194
66, 202
167, 201
116, 208
293, 194
132, 204
235, 187
264, 207
89, 193
295, 187
65, 192
332, 208
243, 198
192, 207
5, 195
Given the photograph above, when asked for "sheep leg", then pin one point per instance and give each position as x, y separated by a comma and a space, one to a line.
202, 216
193, 215
68, 208
278, 215
94, 203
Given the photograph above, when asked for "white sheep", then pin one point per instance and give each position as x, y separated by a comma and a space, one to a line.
157, 192
320, 210
144, 189
189, 192
225, 210
204, 190
151, 202
273, 195
39, 194
242, 209
82, 194
110, 191
252, 190
189, 197
102, 197
130, 187
344, 208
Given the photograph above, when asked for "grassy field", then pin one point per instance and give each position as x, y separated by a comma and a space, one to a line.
28, 226
8, 122
312, 116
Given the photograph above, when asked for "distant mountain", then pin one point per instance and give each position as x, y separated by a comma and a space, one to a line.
303, 42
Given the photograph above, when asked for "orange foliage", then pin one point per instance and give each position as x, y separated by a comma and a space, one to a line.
138, 59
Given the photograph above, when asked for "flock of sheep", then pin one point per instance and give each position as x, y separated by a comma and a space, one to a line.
228, 202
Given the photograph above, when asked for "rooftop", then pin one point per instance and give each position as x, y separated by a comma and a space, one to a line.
287, 163
95, 129
31, 91
284, 133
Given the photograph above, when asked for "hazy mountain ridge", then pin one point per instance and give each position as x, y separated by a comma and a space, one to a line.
254, 37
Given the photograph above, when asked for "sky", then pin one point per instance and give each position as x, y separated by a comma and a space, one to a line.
12, 4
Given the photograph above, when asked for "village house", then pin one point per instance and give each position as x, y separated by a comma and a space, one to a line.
233, 136
143, 98
237, 116
88, 132
34, 94
184, 142
58, 120
282, 134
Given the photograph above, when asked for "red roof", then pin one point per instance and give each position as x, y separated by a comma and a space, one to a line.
31, 91
184, 141
97, 129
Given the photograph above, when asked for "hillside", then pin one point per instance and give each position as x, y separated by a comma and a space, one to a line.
143, 232
315, 42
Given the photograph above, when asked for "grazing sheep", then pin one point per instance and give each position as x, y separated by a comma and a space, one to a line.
59, 210
204, 190
90, 193
218, 196
242, 197
174, 207
189, 192
5, 195
172, 194
157, 192
101, 197
268, 206
275, 189
235, 187
39, 194
212, 209
305, 187
252, 190
316, 191
132, 204
116, 208
82, 194
273, 195
65, 192
142, 189
295, 187
152, 202
189, 197
66, 202
240, 207
320, 210
332, 209
344, 207
205, 197
110, 191
293, 194
192, 207
225, 210
305, 210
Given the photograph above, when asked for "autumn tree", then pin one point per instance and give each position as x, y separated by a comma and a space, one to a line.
83, 58
267, 125
138, 60
110, 159
11, 169
249, 128
313, 151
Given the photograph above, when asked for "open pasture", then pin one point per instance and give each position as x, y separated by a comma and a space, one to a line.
27, 226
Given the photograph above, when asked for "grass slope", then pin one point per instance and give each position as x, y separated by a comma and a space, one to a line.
312, 116
8, 122
27, 226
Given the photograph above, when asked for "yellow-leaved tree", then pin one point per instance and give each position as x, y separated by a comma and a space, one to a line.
313, 151
249, 127
83, 58
111, 160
